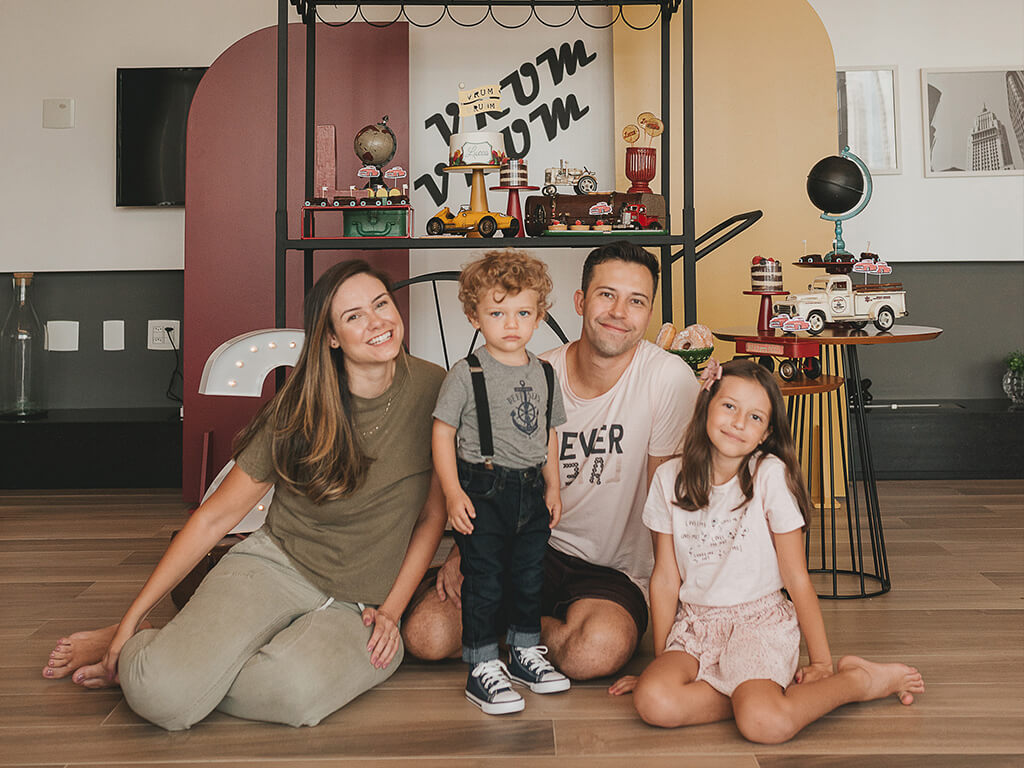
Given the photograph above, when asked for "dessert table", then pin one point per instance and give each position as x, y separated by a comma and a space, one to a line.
845, 549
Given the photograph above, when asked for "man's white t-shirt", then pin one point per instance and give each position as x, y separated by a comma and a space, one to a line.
726, 555
603, 449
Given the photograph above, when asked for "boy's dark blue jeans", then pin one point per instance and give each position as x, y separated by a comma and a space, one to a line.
502, 559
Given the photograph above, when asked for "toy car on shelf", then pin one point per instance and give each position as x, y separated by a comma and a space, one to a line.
484, 223
634, 216
582, 180
380, 195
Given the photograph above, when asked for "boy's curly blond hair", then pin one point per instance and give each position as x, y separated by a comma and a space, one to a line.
507, 271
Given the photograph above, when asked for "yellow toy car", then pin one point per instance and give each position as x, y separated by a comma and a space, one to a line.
485, 223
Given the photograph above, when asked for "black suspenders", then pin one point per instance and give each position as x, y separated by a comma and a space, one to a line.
483, 409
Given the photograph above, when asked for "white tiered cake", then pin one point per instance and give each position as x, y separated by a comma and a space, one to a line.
477, 148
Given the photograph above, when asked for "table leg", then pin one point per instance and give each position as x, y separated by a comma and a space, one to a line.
849, 576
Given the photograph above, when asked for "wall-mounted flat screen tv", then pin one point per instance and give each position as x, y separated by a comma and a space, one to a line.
152, 111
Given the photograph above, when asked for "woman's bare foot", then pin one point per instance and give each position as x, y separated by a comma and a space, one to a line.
79, 650
885, 679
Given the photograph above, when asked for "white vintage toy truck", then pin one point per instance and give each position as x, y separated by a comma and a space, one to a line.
834, 299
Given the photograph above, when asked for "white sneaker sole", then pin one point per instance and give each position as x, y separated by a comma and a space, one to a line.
499, 708
551, 686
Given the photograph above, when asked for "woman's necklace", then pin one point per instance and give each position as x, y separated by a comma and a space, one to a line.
380, 423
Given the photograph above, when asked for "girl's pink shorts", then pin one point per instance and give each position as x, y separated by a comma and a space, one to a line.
759, 640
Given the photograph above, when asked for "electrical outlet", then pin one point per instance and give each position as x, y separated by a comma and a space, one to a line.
157, 337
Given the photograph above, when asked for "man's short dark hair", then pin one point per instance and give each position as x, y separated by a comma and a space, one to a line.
620, 250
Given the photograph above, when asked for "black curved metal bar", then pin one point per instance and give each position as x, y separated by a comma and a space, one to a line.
622, 15
739, 222
448, 12
434, 23
490, 11
379, 25
452, 275
324, 21
573, 15
618, 15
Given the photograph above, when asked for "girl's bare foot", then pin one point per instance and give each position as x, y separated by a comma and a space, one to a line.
885, 679
80, 649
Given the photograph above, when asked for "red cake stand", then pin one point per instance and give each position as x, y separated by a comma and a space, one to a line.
514, 210
764, 315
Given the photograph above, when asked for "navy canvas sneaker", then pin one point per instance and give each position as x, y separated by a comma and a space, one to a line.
527, 666
489, 688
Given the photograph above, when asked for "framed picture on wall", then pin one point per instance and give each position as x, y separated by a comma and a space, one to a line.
868, 110
973, 121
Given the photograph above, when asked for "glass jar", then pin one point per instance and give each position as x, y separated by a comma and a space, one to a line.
22, 356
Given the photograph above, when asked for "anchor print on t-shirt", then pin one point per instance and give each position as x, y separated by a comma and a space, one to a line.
591, 456
524, 408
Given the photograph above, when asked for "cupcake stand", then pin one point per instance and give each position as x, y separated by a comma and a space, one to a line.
513, 209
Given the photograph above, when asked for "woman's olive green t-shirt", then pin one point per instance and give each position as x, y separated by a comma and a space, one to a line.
352, 548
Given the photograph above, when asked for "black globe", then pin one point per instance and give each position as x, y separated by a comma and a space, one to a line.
835, 185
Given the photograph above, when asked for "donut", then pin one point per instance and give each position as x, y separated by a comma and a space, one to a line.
700, 336
666, 335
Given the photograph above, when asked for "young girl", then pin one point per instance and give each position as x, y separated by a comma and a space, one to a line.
727, 518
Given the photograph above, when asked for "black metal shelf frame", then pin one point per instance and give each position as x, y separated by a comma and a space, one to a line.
308, 14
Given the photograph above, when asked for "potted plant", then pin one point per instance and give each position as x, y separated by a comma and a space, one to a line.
1013, 379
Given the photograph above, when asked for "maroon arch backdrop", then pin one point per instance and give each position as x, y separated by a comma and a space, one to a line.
362, 74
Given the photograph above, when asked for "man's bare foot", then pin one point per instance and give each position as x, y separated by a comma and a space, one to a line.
80, 649
885, 679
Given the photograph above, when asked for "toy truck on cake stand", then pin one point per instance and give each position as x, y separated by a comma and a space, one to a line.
834, 299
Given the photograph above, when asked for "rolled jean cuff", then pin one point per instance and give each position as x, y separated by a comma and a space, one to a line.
518, 638
480, 654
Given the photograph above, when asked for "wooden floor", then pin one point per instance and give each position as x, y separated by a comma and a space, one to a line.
956, 550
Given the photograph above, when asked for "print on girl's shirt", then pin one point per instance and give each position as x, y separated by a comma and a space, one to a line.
711, 541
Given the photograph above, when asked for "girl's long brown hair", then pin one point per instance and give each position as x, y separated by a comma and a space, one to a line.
314, 447
693, 484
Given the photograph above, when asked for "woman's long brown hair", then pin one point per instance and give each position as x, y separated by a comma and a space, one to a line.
693, 484
314, 447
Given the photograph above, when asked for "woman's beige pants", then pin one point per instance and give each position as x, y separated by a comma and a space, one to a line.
258, 641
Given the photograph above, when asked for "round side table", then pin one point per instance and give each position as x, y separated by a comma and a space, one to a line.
850, 547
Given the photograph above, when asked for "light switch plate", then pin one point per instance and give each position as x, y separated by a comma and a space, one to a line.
58, 113
62, 335
113, 335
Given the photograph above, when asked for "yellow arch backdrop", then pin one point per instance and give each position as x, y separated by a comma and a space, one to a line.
765, 112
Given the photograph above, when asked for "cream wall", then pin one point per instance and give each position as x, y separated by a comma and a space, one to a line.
764, 106
57, 207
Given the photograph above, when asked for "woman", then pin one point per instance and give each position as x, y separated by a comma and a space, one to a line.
302, 616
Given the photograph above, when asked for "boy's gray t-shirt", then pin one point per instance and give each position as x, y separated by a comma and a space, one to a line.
518, 397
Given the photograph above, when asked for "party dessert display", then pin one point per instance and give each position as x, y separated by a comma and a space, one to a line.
513, 174
765, 275
477, 148
614, 212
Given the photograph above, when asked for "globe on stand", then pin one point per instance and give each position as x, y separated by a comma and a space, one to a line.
375, 145
839, 187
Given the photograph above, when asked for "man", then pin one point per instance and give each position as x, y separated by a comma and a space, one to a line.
627, 403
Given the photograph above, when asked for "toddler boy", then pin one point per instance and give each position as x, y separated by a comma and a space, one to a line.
495, 453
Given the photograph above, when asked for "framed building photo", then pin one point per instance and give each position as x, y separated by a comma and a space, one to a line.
973, 121
868, 108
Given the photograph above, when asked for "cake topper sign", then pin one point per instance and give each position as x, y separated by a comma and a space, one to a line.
486, 98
